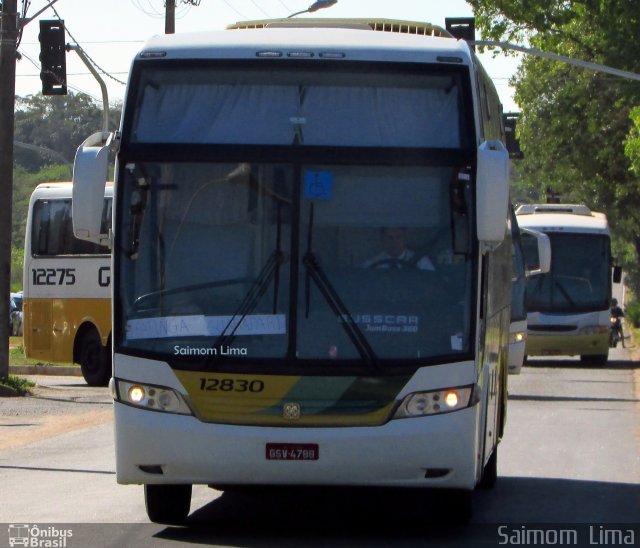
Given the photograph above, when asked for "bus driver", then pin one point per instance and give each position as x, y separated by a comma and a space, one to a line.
395, 253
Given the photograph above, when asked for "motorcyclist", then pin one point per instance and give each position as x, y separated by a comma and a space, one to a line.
618, 314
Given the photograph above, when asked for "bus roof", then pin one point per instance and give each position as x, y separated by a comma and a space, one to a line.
62, 190
335, 39
386, 25
562, 218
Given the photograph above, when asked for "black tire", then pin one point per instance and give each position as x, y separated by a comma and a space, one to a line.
490, 472
594, 360
167, 504
93, 359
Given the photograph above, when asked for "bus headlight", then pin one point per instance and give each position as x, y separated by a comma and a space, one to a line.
438, 401
156, 398
517, 337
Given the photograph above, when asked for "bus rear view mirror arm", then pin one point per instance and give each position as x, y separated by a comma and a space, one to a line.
90, 173
492, 192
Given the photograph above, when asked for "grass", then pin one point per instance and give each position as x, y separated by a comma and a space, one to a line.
20, 385
16, 353
17, 357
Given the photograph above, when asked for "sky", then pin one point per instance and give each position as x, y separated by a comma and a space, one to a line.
111, 32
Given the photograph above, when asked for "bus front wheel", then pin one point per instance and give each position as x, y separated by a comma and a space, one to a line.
91, 355
490, 471
168, 504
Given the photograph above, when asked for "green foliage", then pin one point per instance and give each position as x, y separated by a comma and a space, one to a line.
21, 385
17, 263
59, 124
632, 144
632, 313
579, 129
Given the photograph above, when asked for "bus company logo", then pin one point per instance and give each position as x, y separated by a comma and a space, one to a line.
38, 537
291, 411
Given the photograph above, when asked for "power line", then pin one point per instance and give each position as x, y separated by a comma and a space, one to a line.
242, 15
75, 88
258, 6
85, 53
154, 13
289, 10
95, 42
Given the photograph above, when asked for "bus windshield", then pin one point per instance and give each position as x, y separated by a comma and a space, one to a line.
579, 277
217, 259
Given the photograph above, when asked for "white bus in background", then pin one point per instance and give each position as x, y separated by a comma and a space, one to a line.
568, 307
257, 169
67, 293
536, 261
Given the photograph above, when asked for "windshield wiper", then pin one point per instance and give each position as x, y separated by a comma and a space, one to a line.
334, 301
270, 271
252, 298
565, 294
315, 272
159, 294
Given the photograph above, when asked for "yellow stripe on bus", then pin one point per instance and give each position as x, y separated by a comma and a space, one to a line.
51, 325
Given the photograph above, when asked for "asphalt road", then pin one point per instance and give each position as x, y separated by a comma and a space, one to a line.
570, 455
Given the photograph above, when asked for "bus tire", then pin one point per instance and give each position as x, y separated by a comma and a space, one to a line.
92, 357
167, 504
490, 471
594, 360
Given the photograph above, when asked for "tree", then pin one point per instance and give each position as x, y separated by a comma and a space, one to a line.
575, 122
60, 123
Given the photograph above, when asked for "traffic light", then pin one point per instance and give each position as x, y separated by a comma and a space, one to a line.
53, 72
462, 28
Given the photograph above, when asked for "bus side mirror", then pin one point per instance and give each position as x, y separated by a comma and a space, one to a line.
617, 274
537, 251
90, 173
492, 192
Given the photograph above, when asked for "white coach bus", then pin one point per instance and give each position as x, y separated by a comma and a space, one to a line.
67, 286
536, 260
568, 307
312, 263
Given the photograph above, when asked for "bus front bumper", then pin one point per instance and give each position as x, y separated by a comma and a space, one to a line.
162, 448
567, 345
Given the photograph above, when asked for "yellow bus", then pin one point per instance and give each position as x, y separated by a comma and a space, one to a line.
67, 295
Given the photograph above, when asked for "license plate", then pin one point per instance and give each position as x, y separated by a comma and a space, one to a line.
292, 451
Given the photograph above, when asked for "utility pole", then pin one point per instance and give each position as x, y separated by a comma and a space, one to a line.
8, 39
170, 17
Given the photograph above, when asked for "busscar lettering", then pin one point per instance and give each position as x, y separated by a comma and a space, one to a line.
392, 322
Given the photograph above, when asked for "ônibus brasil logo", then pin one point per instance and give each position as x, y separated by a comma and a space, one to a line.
38, 536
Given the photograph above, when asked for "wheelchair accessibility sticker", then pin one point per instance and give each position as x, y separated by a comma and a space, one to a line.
318, 185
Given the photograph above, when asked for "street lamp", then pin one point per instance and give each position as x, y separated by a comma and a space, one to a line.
318, 5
